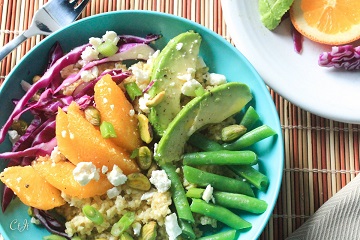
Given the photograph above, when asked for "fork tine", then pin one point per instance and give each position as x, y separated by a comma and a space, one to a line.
81, 6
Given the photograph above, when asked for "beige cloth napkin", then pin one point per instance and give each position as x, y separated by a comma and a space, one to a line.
338, 218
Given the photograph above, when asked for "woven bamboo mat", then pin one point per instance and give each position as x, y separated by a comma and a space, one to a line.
321, 156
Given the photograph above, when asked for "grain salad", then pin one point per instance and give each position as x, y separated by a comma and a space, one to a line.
131, 142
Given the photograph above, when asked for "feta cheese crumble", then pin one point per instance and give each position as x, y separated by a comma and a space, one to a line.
90, 54
216, 79
113, 192
110, 36
189, 87
13, 136
116, 176
84, 172
179, 46
208, 193
142, 103
160, 180
172, 227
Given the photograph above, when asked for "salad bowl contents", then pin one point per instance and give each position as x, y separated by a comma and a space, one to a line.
137, 133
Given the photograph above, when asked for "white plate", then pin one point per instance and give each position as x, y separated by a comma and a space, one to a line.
297, 77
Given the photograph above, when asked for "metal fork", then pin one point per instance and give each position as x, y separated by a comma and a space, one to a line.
52, 16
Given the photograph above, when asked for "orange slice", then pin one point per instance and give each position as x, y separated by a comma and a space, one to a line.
332, 22
60, 175
31, 188
80, 141
115, 108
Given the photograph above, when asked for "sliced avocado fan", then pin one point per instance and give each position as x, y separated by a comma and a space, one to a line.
212, 107
174, 61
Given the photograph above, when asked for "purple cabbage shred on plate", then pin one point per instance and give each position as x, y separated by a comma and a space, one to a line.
297, 39
342, 57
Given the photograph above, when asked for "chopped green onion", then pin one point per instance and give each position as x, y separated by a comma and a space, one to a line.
133, 90
123, 224
93, 214
53, 237
107, 130
107, 48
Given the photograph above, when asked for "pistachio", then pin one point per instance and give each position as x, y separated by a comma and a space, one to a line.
126, 236
92, 115
30, 212
138, 181
148, 231
36, 78
156, 100
20, 126
144, 157
145, 128
232, 132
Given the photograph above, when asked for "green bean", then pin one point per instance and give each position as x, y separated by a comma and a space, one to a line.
250, 118
221, 183
200, 141
123, 224
219, 213
259, 180
178, 194
250, 138
222, 157
232, 200
92, 214
224, 235
187, 230
240, 201
53, 237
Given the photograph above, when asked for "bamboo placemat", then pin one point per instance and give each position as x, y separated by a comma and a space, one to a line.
321, 156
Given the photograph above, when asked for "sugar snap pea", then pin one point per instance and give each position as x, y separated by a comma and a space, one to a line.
251, 137
255, 177
232, 200
219, 213
200, 141
250, 118
222, 157
224, 235
178, 193
220, 183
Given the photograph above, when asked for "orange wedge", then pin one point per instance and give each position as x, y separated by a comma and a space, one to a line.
60, 175
332, 22
80, 141
31, 188
116, 109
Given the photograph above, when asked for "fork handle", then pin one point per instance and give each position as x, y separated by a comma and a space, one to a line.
5, 50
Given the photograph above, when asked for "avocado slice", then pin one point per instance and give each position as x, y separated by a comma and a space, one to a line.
214, 106
177, 58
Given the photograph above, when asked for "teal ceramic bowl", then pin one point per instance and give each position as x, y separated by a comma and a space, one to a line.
220, 56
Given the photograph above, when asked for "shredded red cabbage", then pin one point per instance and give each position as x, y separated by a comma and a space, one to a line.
39, 138
52, 224
346, 57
